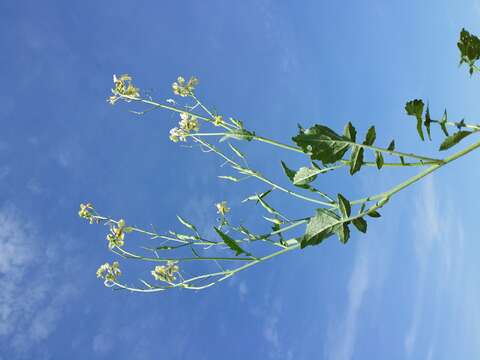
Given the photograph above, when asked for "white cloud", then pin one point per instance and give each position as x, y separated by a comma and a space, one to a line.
32, 296
438, 244
342, 347
242, 290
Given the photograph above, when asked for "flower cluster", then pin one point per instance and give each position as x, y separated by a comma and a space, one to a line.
123, 87
86, 212
109, 272
166, 272
218, 120
117, 234
187, 123
184, 89
222, 208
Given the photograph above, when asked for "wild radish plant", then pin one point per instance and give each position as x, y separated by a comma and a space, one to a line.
190, 260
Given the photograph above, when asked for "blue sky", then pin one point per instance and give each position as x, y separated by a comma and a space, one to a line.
406, 290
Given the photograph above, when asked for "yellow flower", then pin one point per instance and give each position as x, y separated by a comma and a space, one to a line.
180, 88
188, 122
222, 208
177, 134
218, 120
166, 272
109, 272
117, 235
85, 212
123, 87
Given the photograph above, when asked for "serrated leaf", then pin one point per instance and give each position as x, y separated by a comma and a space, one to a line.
415, 108
356, 159
360, 224
469, 46
231, 178
232, 244
343, 233
186, 223
427, 122
379, 159
321, 226
370, 137
305, 175
236, 151
454, 139
350, 132
391, 146
344, 206
374, 214
322, 143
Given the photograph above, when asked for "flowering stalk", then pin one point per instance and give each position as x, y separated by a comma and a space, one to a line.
192, 261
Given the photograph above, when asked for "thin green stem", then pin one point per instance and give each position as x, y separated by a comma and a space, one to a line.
395, 164
259, 176
131, 255
414, 179
224, 274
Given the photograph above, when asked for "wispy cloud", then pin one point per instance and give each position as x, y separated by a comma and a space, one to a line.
342, 347
32, 296
438, 243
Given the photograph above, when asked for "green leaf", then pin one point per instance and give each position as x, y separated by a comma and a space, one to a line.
391, 146
350, 132
232, 244
356, 160
343, 233
402, 160
273, 220
469, 46
321, 226
443, 122
360, 224
427, 122
186, 223
374, 214
236, 151
305, 175
371, 135
256, 196
289, 172
238, 134
237, 123
267, 207
415, 108
322, 143
454, 139
379, 159
231, 178
344, 206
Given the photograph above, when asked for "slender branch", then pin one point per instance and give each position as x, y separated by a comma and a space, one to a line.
414, 179
261, 177
293, 245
